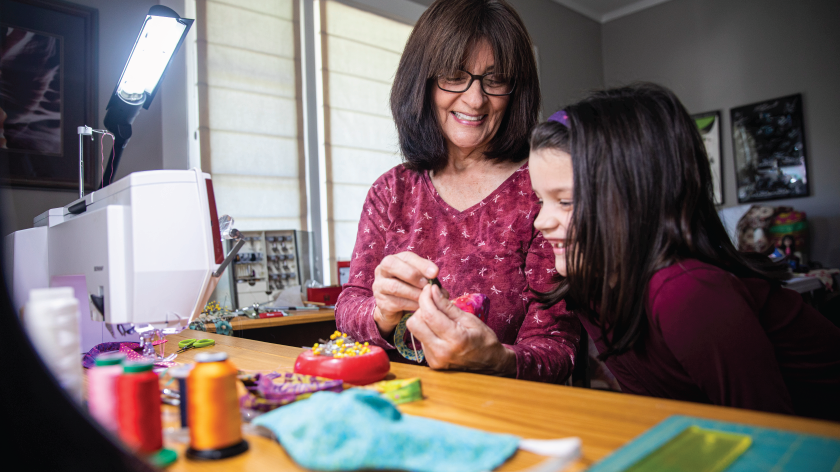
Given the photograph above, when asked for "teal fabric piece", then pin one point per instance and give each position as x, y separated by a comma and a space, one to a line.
357, 429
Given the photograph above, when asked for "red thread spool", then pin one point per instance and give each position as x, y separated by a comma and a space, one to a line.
139, 408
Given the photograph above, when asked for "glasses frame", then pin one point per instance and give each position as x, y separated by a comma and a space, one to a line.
480, 79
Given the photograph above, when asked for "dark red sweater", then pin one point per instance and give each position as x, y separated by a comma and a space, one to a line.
715, 338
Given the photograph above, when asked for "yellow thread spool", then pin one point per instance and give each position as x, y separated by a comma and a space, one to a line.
213, 409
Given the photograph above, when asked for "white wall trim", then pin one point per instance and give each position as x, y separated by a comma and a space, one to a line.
575, 5
630, 9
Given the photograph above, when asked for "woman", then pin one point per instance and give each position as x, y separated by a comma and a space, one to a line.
461, 207
650, 271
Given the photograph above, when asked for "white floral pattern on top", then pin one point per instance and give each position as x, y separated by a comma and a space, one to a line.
494, 250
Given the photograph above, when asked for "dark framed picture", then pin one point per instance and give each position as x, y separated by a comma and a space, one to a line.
48, 87
710, 130
769, 146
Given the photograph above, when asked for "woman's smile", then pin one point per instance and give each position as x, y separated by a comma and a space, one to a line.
468, 119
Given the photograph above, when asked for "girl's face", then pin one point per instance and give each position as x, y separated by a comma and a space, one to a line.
551, 178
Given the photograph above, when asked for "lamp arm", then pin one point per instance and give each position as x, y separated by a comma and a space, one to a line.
118, 120
114, 160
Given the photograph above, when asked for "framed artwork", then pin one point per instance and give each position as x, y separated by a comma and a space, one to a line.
769, 146
710, 130
48, 88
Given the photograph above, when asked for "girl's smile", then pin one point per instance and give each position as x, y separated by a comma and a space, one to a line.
551, 177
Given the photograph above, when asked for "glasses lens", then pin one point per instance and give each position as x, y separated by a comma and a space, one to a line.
497, 84
454, 81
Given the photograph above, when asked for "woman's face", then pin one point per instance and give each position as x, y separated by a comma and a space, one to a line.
470, 119
551, 178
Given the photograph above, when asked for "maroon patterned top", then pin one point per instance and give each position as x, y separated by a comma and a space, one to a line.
490, 248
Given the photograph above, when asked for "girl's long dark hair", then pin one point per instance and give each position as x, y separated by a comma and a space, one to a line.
643, 200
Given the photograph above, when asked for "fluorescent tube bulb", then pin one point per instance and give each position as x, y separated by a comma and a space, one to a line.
157, 42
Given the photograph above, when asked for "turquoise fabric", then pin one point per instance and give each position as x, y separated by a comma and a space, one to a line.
357, 429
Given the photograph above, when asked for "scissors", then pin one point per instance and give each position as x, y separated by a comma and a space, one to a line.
194, 343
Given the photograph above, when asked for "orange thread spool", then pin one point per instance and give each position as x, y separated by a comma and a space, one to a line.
139, 408
213, 409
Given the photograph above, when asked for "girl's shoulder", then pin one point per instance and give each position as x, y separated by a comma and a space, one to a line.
688, 268
690, 280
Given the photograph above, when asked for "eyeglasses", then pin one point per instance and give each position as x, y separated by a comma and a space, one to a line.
461, 81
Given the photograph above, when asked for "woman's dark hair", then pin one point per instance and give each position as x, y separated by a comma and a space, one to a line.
643, 200
441, 43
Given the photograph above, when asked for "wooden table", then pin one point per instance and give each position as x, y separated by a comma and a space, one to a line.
297, 317
603, 420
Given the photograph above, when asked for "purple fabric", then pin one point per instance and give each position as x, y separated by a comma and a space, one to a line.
131, 351
277, 389
560, 117
490, 248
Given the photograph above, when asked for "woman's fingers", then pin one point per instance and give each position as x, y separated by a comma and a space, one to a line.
443, 304
395, 287
391, 305
397, 283
435, 349
438, 322
425, 267
417, 325
393, 267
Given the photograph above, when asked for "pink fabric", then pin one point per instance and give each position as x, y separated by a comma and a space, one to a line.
476, 303
491, 248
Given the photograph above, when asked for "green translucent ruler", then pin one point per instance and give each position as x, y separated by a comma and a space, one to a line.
695, 449
687, 444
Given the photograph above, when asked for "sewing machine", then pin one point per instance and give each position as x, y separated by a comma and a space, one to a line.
149, 247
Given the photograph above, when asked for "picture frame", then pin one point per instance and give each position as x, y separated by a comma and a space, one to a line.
343, 272
50, 90
710, 127
768, 140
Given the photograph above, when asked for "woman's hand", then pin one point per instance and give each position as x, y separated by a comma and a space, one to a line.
455, 339
397, 283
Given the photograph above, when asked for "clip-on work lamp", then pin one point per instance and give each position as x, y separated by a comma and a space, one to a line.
159, 39
115, 245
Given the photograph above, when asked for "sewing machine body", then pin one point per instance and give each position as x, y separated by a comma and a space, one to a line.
147, 246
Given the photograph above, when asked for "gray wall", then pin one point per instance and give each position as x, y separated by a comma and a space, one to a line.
719, 54
569, 48
119, 23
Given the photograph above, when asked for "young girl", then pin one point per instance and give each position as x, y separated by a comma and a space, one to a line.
674, 309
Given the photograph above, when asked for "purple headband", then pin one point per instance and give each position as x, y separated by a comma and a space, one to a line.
560, 117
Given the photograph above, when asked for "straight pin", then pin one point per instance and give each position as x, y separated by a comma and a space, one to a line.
416, 357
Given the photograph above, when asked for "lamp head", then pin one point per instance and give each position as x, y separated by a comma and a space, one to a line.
160, 37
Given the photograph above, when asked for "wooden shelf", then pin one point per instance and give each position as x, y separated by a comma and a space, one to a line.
296, 317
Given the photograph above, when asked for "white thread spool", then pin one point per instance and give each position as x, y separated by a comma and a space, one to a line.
51, 318
102, 390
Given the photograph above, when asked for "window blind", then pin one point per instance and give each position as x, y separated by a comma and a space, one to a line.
249, 110
360, 54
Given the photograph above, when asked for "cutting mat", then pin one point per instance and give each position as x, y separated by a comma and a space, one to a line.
772, 450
